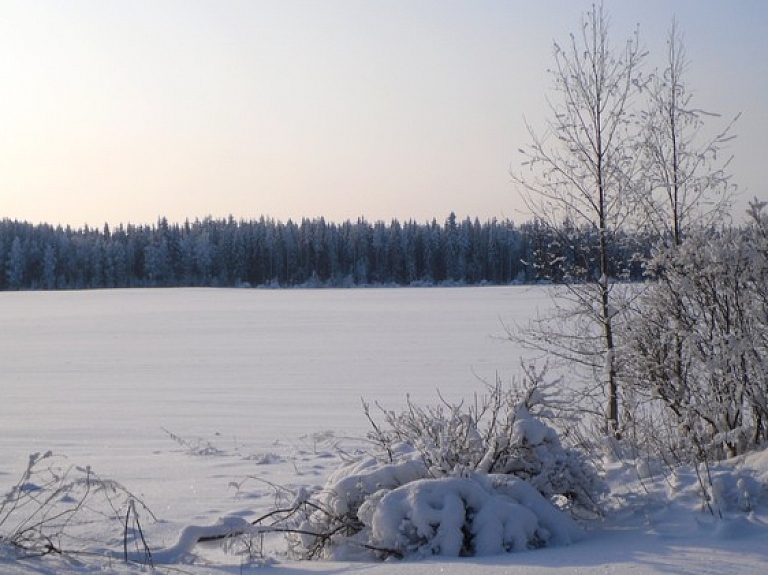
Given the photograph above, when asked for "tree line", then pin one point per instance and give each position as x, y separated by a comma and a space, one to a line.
311, 252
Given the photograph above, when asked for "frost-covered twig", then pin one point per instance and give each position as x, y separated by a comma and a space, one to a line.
195, 446
64, 509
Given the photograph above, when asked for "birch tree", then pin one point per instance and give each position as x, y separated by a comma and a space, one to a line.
695, 350
580, 171
685, 173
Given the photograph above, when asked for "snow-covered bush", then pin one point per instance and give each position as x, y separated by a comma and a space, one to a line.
451, 480
382, 509
696, 348
503, 432
459, 516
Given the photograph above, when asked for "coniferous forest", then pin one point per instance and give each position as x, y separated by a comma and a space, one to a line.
310, 253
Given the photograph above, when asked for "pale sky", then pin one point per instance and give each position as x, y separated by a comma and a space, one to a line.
124, 111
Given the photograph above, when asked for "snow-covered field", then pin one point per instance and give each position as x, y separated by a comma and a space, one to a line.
201, 401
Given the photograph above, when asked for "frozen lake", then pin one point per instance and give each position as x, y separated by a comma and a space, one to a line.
98, 374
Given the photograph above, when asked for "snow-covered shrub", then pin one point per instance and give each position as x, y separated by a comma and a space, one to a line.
331, 515
451, 480
503, 432
696, 348
372, 508
464, 516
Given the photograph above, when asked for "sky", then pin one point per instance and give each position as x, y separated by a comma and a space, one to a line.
116, 112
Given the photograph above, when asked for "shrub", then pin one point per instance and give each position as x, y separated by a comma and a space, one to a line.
696, 348
451, 480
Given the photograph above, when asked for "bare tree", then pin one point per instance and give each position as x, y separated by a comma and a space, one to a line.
685, 173
581, 175
694, 348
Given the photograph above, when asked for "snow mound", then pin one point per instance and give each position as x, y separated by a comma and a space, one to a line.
722, 501
455, 516
382, 509
350, 485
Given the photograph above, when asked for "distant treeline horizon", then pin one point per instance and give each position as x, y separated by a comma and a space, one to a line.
308, 253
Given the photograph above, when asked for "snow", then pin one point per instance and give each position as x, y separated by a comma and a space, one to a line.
427, 517
212, 405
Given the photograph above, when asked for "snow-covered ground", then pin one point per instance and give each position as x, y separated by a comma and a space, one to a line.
201, 402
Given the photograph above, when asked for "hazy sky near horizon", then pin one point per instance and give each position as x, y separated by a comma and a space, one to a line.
114, 111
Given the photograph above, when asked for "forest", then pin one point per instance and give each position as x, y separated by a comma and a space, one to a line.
310, 253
